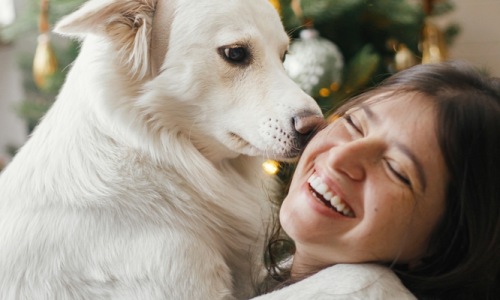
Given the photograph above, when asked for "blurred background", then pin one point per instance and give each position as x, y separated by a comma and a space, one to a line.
339, 48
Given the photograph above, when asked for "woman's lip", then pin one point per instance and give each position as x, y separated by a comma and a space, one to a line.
332, 186
318, 206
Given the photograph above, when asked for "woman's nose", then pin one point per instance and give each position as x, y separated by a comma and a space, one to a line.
354, 158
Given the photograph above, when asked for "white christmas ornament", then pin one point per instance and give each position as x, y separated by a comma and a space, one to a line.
314, 63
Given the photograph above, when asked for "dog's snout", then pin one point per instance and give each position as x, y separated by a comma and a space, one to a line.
307, 122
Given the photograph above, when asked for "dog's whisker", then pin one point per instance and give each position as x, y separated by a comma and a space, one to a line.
291, 31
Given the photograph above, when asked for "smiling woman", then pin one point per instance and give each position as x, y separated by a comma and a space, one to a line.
368, 161
405, 182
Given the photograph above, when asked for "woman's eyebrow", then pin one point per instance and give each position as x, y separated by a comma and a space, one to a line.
373, 117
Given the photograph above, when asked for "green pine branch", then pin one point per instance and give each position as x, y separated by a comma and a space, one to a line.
365, 32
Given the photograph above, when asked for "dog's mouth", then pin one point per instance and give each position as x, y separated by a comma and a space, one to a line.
242, 145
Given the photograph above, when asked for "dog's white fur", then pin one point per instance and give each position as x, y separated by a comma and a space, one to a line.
139, 185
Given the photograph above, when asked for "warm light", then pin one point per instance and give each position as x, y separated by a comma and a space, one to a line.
324, 92
334, 86
271, 167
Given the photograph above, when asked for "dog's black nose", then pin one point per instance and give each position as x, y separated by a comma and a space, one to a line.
307, 122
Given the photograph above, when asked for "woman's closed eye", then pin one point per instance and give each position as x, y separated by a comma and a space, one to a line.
398, 174
356, 130
353, 125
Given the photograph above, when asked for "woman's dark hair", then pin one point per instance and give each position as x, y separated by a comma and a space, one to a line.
463, 259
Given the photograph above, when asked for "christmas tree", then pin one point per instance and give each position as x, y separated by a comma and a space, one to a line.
374, 38
346, 45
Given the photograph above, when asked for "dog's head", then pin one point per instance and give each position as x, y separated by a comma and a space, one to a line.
212, 69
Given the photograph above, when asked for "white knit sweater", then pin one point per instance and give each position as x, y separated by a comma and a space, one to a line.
345, 281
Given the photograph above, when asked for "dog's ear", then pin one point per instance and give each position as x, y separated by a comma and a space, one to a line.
160, 33
100, 16
127, 23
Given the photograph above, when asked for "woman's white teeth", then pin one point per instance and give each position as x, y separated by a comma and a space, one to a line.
335, 200
321, 188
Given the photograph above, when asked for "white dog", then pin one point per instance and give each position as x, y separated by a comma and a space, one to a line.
144, 179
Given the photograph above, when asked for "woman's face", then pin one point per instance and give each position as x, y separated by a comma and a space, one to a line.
368, 188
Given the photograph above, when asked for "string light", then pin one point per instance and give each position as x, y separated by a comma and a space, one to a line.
271, 167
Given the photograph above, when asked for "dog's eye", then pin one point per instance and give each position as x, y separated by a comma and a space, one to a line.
235, 54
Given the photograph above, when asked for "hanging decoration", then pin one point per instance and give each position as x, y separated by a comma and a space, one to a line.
432, 43
45, 62
313, 62
404, 58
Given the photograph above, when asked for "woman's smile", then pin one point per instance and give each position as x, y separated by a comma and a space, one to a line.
328, 196
404, 177
366, 182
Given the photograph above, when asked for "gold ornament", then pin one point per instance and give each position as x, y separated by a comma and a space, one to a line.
432, 44
404, 58
44, 62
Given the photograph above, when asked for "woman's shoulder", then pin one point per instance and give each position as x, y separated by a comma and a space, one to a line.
371, 281
346, 281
